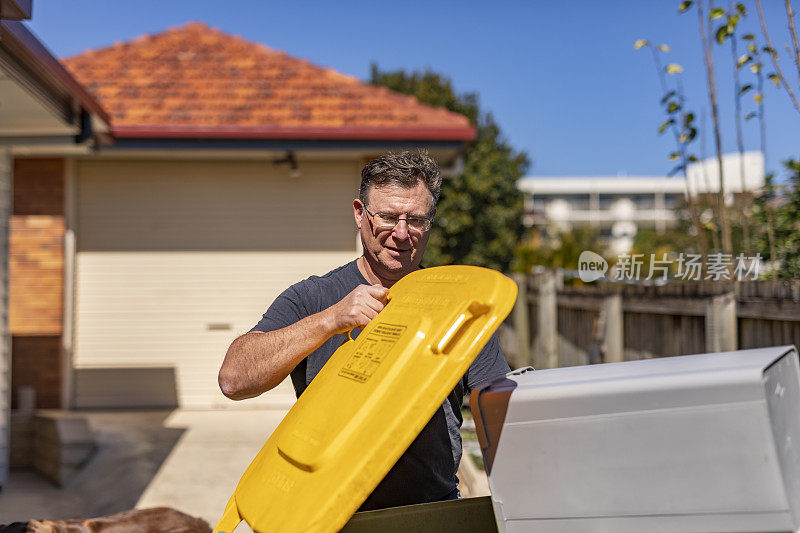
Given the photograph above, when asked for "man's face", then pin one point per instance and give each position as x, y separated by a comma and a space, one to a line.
393, 252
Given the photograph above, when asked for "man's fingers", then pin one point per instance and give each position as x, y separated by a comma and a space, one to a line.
362, 305
365, 317
373, 304
379, 292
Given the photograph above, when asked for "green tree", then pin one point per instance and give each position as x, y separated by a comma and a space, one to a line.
788, 226
560, 250
783, 207
479, 216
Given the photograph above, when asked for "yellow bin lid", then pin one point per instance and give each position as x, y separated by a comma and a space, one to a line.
370, 401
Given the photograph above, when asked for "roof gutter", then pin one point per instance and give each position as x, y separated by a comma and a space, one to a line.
344, 133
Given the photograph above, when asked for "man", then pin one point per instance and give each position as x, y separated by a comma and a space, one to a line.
307, 322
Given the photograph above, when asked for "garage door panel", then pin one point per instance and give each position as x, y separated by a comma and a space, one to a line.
164, 305
214, 205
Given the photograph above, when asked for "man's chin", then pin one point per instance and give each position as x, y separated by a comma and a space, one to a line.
398, 268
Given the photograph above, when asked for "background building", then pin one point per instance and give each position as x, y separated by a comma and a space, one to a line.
618, 206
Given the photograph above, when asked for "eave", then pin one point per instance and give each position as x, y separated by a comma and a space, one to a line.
35, 70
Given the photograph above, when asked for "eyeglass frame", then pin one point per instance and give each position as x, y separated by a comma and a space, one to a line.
428, 220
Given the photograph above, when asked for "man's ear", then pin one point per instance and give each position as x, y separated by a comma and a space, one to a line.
358, 212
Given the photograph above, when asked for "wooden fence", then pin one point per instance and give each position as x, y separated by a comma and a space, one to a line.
554, 325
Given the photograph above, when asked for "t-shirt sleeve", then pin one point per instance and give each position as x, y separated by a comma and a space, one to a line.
489, 365
287, 309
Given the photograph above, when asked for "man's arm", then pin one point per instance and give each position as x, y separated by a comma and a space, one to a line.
258, 361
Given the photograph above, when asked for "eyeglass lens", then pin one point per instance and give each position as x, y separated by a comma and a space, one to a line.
385, 220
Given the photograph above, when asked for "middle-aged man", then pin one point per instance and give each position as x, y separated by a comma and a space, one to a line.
308, 321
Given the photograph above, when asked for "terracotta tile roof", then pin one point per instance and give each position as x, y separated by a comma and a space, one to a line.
196, 81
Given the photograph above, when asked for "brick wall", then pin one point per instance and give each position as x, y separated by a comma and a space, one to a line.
36, 272
36, 278
36, 362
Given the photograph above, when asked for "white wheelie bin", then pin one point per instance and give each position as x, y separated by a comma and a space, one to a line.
693, 443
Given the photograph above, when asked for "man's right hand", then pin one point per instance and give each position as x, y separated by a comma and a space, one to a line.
357, 308
257, 362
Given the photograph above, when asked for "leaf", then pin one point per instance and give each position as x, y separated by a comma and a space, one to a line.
774, 79
685, 5
744, 58
663, 127
716, 13
672, 107
750, 115
722, 33
692, 159
640, 43
664, 48
687, 119
674, 155
744, 89
674, 68
667, 96
741, 9
748, 37
755, 68
687, 135
752, 48
771, 51
758, 97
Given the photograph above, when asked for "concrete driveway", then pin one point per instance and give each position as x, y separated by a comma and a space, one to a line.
189, 460
203, 469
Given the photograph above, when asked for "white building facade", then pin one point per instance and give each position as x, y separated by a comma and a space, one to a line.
618, 206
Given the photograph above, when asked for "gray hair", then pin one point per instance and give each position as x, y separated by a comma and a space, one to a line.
405, 169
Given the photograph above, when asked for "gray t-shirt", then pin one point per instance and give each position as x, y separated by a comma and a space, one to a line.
426, 472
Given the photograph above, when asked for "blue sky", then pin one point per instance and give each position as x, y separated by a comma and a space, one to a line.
561, 78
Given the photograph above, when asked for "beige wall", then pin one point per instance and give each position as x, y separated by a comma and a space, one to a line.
177, 259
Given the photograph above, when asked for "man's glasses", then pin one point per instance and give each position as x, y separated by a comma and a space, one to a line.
384, 221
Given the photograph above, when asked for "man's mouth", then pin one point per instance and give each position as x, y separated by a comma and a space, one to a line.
398, 250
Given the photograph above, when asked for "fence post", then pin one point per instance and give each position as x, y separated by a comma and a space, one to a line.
546, 343
612, 328
721, 334
522, 325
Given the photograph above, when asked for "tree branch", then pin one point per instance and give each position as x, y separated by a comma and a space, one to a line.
772, 55
790, 15
681, 147
708, 59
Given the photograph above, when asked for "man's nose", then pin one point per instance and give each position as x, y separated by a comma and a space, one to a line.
401, 229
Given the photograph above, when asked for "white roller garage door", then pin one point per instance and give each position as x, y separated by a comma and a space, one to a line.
177, 258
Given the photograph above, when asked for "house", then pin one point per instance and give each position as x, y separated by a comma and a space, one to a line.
228, 174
